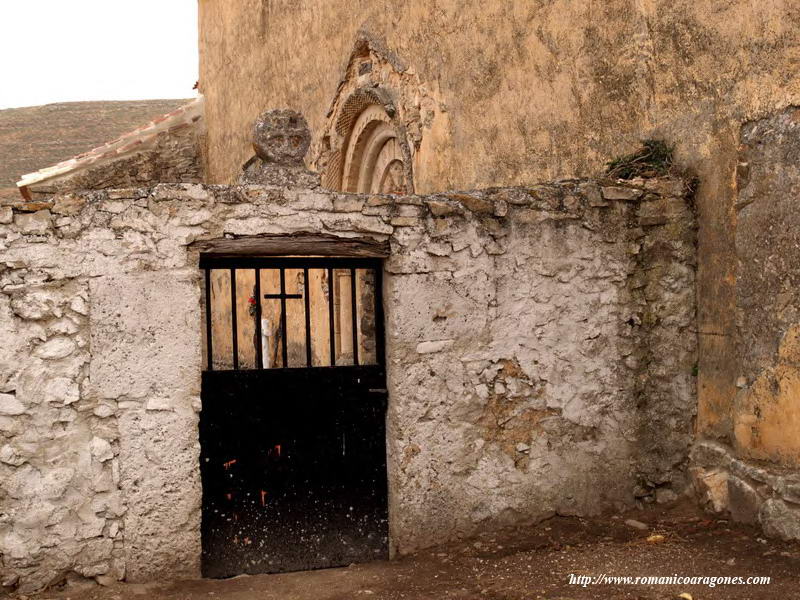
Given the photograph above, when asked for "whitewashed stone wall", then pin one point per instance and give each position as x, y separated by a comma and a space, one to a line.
527, 334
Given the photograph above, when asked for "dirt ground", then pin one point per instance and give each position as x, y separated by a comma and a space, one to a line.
528, 563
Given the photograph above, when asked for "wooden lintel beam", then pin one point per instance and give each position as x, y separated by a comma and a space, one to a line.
298, 244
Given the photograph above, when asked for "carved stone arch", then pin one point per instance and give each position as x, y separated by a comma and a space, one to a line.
373, 155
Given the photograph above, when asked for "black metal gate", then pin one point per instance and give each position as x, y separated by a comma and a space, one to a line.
292, 429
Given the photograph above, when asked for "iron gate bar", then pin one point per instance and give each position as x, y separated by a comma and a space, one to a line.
234, 324
307, 293
330, 317
259, 349
284, 344
354, 314
209, 346
380, 342
210, 261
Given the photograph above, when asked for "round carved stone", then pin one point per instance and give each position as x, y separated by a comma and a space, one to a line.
281, 137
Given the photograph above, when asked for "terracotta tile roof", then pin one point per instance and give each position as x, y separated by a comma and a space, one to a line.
133, 141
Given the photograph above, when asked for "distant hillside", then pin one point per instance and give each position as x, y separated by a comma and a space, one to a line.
38, 136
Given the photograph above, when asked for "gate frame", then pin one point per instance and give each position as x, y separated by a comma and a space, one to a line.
302, 245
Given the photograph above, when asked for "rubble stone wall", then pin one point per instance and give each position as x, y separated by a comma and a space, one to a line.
172, 156
540, 354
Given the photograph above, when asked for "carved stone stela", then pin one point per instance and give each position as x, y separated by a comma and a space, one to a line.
280, 140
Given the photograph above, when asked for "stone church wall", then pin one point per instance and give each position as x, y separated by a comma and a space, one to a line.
540, 357
505, 93
755, 472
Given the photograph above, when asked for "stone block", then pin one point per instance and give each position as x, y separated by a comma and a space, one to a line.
103, 411
343, 203
591, 192
68, 204
513, 196
621, 193
665, 186
665, 496
789, 488
38, 222
743, 500
712, 487
742, 469
652, 220
101, 449
126, 194
710, 454
404, 221
6, 215
778, 520
55, 348
115, 207
546, 196
378, 211
381, 200
9, 405
442, 208
316, 201
61, 390
11, 456
357, 223
434, 346
476, 204
439, 249
159, 403
180, 191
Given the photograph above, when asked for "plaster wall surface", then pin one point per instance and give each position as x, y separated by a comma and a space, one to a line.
509, 93
767, 411
540, 353
755, 477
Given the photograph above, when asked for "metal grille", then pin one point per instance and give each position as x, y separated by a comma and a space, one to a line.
293, 431
337, 320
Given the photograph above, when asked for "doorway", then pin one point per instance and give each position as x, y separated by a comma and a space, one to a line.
292, 430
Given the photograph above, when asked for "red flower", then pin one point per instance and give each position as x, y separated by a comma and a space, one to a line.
251, 300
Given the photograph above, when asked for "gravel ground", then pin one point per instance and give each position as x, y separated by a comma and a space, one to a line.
527, 563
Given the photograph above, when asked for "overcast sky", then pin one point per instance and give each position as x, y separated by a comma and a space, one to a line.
68, 50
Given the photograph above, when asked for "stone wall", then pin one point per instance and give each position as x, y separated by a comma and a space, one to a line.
540, 350
174, 157
169, 156
766, 413
762, 494
753, 472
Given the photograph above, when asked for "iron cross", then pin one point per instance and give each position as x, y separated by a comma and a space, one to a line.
283, 296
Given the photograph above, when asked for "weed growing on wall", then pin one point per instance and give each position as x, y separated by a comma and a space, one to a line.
652, 159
